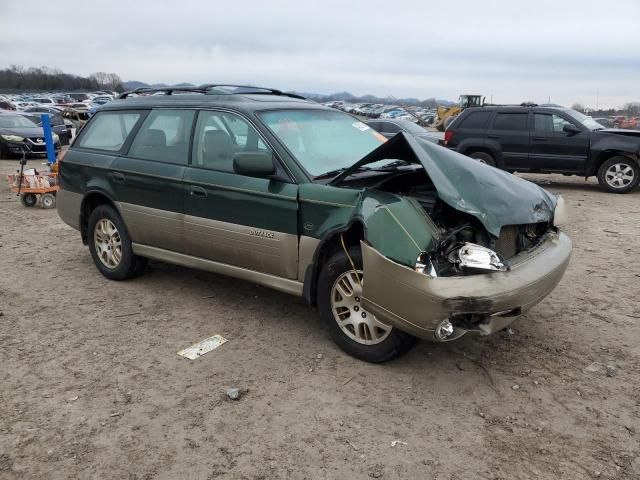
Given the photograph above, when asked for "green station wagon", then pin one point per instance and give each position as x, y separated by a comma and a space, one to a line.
392, 240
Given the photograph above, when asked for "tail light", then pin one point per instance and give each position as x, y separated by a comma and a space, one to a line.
448, 135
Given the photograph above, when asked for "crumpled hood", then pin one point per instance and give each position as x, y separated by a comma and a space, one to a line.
620, 131
495, 197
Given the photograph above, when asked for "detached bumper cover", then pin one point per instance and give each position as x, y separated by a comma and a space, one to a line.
417, 303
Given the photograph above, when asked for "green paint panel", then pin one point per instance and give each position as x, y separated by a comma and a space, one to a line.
232, 198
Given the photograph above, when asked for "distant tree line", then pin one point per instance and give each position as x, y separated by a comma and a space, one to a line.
16, 79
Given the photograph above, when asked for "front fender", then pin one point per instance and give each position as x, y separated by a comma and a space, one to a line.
396, 226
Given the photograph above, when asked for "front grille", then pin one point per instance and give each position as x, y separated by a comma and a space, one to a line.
36, 145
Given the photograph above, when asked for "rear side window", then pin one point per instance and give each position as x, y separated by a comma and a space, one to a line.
475, 120
510, 121
164, 136
109, 130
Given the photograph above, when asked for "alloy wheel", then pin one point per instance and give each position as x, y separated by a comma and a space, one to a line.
354, 321
619, 175
108, 244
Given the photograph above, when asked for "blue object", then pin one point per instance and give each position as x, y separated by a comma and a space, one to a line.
48, 138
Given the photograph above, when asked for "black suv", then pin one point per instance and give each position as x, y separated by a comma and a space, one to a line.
548, 139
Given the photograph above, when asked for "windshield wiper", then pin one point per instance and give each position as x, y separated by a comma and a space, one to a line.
394, 165
336, 172
330, 174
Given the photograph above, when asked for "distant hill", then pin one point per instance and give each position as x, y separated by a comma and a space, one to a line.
133, 84
318, 97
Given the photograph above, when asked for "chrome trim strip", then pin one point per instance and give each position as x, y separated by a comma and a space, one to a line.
292, 287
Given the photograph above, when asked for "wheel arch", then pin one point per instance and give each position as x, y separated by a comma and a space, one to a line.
605, 155
351, 233
90, 202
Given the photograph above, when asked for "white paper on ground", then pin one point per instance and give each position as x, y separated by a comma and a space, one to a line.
200, 348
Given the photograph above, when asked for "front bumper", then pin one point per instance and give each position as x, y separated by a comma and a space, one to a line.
416, 303
30, 146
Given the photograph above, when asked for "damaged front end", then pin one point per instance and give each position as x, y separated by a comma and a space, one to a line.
493, 250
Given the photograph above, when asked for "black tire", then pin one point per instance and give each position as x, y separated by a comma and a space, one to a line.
127, 266
28, 199
483, 157
627, 166
48, 200
394, 345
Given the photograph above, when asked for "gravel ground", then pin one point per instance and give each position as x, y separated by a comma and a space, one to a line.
91, 386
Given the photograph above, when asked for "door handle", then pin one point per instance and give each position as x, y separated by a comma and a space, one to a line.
118, 177
198, 192
539, 139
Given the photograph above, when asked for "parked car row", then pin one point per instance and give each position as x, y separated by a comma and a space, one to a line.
376, 110
67, 112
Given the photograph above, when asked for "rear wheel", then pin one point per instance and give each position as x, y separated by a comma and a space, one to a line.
619, 175
483, 157
356, 331
110, 244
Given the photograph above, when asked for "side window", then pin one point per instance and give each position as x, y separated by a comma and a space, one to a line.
219, 136
510, 121
475, 120
109, 130
549, 123
164, 136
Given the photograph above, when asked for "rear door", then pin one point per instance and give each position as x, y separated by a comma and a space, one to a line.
510, 131
248, 222
554, 150
149, 179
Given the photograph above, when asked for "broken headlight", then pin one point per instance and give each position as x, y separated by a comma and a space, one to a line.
477, 257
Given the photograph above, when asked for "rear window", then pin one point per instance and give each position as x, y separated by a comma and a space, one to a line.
109, 130
510, 121
475, 120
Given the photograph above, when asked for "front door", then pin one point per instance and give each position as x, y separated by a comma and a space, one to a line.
552, 149
247, 222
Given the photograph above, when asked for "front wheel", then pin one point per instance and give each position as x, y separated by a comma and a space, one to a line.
619, 175
356, 331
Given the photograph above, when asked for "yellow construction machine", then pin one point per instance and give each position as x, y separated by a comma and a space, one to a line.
445, 115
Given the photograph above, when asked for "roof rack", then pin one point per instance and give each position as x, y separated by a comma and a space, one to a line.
213, 89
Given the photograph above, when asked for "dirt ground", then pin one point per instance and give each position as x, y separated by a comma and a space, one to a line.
91, 386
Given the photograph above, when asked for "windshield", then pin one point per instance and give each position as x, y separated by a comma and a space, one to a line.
588, 122
322, 140
17, 121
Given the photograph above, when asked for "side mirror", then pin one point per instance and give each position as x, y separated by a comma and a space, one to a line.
254, 164
571, 129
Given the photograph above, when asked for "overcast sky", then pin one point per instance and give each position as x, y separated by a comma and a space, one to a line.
566, 50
